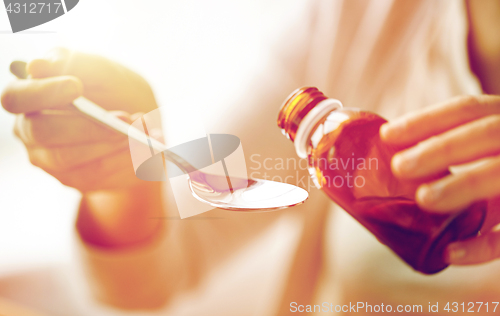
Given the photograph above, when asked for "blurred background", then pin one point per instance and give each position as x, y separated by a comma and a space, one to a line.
177, 46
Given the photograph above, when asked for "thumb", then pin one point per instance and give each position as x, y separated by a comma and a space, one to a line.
476, 250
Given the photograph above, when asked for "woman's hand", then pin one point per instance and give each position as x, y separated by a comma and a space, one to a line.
462, 131
72, 148
117, 207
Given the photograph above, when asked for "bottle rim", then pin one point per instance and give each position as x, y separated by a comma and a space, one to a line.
283, 113
309, 121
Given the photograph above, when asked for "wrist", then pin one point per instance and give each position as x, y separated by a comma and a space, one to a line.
121, 218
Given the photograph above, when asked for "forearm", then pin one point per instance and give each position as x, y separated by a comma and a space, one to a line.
121, 233
121, 218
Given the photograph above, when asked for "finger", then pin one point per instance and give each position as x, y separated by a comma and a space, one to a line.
136, 116
476, 250
414, 127
112, 172
68, 158
53, 129
466, 143
493, 214
109, 84
31, 95
96, 72
91, 69
122, 115
457, 191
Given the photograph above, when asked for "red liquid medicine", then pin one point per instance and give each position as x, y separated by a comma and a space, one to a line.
350, 163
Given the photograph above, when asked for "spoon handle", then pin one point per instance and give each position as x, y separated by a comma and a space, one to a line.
103, 117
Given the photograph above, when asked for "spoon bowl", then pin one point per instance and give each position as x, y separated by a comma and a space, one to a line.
246, 195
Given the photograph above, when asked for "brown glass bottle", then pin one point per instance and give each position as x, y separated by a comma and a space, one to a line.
350, 163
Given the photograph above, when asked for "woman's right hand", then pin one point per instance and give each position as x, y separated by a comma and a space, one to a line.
72, 148
80, 153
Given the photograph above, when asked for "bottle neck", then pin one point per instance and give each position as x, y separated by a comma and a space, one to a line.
296, 107
301, 112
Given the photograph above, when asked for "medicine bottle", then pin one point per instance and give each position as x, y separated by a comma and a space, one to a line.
351, 164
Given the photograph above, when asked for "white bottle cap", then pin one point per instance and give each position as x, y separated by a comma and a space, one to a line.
309, 121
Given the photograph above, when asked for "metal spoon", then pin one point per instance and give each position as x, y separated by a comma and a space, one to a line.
239, 195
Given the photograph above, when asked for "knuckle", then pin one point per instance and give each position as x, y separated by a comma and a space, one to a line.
470, 101
438, 146
35, 131
38, 157
64, 160
469, 104
446, 148
73, 181
70, 179
33, 158
58, 160
17, 133
39, 130
78, 178
67, 180
492, 126
8, 101
471, 181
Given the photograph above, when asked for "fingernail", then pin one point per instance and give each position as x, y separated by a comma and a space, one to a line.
456, 253
384, 129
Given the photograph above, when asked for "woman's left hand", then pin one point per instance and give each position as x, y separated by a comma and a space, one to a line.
461, 131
